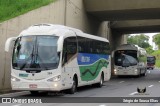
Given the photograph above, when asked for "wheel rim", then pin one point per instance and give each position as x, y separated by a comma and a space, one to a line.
101, 81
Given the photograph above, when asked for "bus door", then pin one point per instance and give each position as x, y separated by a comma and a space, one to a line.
68, 59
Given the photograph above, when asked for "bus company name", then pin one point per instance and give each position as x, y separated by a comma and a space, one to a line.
85, 59
18, 100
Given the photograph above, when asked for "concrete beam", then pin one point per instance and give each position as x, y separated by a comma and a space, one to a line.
123, 9
106, 5
136, 26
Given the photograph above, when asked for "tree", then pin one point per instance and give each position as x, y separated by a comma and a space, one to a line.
156, 39
149, 50
140, 40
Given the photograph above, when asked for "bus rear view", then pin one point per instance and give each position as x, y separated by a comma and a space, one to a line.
151, 62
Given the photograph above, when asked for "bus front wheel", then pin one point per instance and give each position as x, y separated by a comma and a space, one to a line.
74, 86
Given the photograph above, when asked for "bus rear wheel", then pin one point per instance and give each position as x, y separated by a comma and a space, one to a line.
100, 84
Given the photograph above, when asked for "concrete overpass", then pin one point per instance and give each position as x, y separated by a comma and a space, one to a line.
136, 26
127, 16
123, 9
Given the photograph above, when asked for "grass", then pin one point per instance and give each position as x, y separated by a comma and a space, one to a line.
12, 8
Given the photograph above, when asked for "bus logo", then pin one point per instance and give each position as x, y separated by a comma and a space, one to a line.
141, 90
6, 100
85, 59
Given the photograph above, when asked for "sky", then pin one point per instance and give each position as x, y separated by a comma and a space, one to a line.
150, 38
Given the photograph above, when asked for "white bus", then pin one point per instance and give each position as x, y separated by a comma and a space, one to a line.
49, 57
130, 60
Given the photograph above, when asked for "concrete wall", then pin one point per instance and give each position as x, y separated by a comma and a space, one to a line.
65, 12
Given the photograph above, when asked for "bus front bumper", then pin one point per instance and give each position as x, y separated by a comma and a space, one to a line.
124, 73
37, 86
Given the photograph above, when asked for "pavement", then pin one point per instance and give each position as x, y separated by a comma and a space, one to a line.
114, 90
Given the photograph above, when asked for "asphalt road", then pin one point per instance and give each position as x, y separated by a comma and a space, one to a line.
123, 87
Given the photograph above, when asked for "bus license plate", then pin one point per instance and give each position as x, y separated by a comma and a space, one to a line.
32, 85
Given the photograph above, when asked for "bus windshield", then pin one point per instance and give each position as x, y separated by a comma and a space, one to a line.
151, 60
35, 52
125, 56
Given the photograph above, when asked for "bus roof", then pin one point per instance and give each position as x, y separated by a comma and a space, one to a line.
127, 47
150, 56
92, 37
50, 29
132, 47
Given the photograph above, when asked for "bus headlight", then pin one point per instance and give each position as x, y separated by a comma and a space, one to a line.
54, 79
115, 71
135, 70
14, 79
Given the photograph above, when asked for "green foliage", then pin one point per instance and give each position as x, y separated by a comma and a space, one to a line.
156, 39
157, 55
12, 8
142, 58
149, 50
140, 40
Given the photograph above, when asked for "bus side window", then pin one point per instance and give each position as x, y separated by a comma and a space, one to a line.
106, 48
69, 49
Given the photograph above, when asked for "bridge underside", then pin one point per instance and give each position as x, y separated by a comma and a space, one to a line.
127, 16
132, 14
136, 26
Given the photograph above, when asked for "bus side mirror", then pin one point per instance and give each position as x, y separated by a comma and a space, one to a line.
9, 43
60, 44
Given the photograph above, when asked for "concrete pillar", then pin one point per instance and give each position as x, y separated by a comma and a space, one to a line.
104, 30
116, 39
125, 39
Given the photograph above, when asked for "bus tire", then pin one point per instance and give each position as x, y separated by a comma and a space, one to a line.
74, 86
100, 84
139, 74
34, 92
145, 73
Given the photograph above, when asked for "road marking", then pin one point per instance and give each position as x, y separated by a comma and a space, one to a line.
102, 105
150, 86
149, 71
17, 105
121, 81
133, 93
